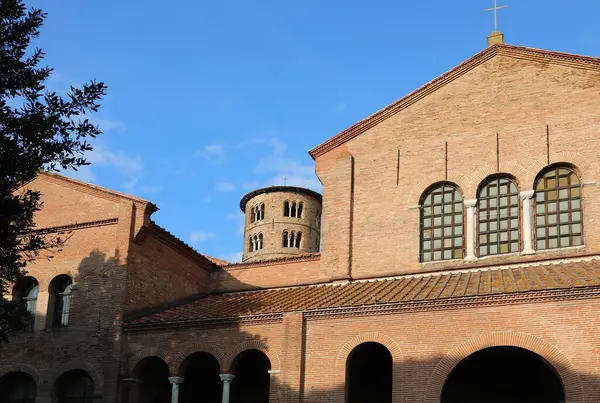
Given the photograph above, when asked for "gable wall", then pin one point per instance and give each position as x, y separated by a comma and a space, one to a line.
93, 256
379, 235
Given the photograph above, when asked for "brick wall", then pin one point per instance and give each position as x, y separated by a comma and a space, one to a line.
275, 223
515, 98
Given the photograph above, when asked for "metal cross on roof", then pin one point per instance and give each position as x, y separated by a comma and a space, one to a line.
495, 10
284, 180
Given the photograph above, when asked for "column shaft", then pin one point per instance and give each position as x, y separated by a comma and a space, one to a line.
470, 204
527, 222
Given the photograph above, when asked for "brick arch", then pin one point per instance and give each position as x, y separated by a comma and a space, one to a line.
377, 337
517, 171
560, 363
462, 182
584, 166
252, 345
144, 353
174, 361
29, 370
84, 366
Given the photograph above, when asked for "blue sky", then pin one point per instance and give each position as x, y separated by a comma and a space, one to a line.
209, 100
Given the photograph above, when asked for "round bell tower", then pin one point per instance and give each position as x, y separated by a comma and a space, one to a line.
281, 221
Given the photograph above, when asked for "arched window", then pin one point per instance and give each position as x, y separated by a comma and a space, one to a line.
26, 293
250, 248
300, 207
260, 241
286, 239
498, 226
442, 224
17, 387
298, 239
286, 208
558, 211
261, 215
59, 303
252, 215
74, 386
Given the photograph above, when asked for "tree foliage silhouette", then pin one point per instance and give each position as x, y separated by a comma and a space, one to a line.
39, 130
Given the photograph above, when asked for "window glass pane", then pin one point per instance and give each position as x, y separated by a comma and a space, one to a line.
576, 204
445, 223
504, 248
564, 242
541, 244
515, 247
553, 243
577, 240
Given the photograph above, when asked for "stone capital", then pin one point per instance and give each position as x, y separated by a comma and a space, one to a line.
226, 377
470, 203
527, 194
176, 379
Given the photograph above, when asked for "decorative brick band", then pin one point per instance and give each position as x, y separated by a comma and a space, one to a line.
561, 364
145, 353
251, 345
76, 226
176, 360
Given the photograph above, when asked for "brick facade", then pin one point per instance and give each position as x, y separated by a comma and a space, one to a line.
139, 291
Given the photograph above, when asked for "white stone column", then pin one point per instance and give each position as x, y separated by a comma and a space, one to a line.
470, 224
226, 378
175, 381
526, 208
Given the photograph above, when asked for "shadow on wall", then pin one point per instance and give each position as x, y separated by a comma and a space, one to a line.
506, 373
81, 361
73, 338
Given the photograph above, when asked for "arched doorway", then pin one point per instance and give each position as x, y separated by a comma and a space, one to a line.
17, 387
251, 382
201, 380
152, 373
503, 375
75, 386
369, 370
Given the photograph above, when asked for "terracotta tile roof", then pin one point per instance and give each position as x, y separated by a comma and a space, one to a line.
407, 289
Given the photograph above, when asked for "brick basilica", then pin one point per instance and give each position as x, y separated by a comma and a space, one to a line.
454, 256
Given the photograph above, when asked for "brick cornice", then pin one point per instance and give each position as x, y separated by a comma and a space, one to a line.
518, 52
76, 226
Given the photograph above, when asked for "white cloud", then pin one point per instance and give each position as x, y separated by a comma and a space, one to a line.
214, 153
197, 237
224, 186
83, 173
129, 168
283, 169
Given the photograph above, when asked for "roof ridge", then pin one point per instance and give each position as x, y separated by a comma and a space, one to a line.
97, 188
504, 49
